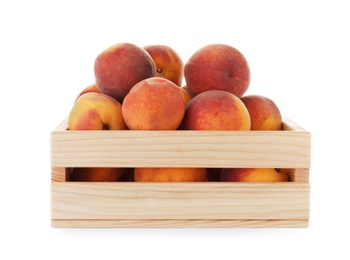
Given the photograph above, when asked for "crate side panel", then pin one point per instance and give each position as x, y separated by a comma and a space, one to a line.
179, 201
279, 149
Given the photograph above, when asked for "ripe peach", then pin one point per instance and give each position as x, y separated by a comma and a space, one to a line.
213, 174
264, 113
118, 68
96, 174
169, 64
170, 175
286, 173
187, 89
128, 175
187, 95
96, 111
154, 104
216, 110
252, 175
88, 89
217, 66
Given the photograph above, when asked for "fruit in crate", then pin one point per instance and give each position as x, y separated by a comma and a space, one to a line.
96, 111
140, 89
216, 110
88, 89
213, 174
169, 64
170, 175
154, 104
118, 68
187, 95
96, 174
264, 113
252, 175
186, 88
217, 66
128, 175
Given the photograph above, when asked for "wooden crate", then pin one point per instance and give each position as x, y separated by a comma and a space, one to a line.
206, 204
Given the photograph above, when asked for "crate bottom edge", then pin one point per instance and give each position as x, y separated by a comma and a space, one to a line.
179, 223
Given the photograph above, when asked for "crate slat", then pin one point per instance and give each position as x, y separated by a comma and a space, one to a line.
180, 200
253, 149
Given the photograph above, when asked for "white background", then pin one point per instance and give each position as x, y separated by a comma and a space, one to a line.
298, 52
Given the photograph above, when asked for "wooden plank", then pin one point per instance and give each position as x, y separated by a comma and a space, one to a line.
299, 175
217, 149
63, 126
289, 125
60, 174
180, 201
180, 223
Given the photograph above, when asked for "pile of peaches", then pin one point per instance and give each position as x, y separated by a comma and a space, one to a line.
141, 88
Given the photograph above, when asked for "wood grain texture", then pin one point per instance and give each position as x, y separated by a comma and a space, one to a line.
180, 223
60, 174
289, 125
299, 175
180, 200
254, 149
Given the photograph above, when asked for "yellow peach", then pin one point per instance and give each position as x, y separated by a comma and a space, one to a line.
88, 89
264, 113
252, 175
168, 62
96, 111
170, 175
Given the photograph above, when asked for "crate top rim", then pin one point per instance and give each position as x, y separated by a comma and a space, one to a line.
288, 126
179, 147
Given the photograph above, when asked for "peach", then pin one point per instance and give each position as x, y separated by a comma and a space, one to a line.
169, 64
154, 104
264, 113
252, 175
118, 68
217, 66
213, 174
287, 173
96, 174
187, 95
96, 111
187, 89
170, 175
216, 110
128, 175
88, 89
